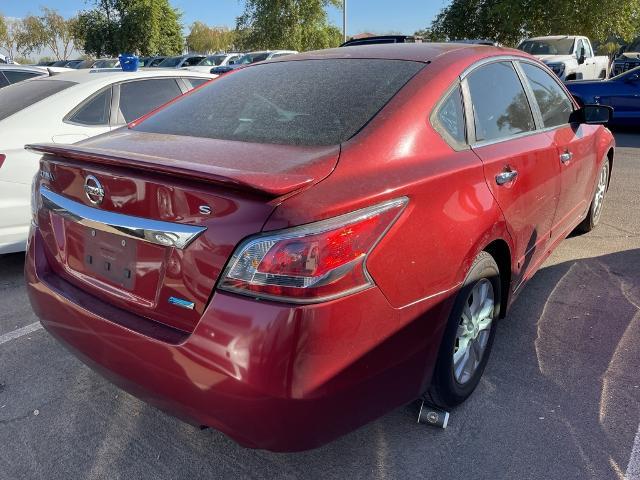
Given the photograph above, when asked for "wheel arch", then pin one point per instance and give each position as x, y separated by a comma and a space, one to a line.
610, 159
501, 253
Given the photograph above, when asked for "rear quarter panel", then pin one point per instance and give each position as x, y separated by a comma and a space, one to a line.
451, 214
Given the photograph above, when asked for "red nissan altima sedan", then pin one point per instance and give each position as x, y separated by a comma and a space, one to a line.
296, 248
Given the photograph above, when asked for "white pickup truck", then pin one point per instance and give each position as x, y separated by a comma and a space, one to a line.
569, 56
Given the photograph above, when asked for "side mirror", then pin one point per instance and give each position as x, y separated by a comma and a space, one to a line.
581, 56
592, 115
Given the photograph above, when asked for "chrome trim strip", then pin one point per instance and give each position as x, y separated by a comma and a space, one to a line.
167, 234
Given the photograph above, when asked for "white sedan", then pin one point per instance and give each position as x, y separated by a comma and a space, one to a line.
67, 108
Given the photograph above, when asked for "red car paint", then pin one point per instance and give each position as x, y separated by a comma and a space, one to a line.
278, 375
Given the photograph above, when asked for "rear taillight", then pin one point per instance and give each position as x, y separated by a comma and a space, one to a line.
2, 157
312, 263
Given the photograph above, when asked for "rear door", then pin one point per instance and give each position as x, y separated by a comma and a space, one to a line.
575, 148
520, 161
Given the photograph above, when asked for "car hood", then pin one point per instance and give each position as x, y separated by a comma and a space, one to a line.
555, 58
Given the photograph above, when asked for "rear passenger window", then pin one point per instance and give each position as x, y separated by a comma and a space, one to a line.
500, 105
96, 111
450, 117
142, 96
555, 105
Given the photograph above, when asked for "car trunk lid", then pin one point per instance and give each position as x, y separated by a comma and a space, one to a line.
149, 229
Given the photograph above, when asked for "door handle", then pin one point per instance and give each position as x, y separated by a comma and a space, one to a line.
506, 177
566, 157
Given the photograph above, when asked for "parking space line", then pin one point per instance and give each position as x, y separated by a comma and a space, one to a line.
7, 337
633, 469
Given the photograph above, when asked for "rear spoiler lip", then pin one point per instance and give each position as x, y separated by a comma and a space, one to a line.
270, 184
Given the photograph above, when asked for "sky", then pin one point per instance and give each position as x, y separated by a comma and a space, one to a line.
404, 16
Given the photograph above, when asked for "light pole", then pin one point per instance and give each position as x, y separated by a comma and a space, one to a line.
344, 20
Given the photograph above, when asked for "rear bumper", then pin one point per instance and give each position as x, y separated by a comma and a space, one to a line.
269, 375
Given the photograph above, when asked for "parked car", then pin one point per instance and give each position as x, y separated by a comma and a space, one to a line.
293, 250
4, 59
105, 63
154, 62
66, 108
150, 61
478, 41
380, 39
629, 58
217, 60
181, 61
10, 74
569, 56
67, 63
621, 92
250, 58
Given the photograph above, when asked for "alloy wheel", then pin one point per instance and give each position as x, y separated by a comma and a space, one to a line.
473, 330
601, 190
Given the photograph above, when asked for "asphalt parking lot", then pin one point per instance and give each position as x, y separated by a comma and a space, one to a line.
560, 398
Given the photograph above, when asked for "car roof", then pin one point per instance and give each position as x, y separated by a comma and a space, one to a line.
554, 37
416, 52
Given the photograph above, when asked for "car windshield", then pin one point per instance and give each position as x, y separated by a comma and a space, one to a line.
212, 61
170, 62
306, 102
252, 58
21, 95
60, 63
633, 46
560, 46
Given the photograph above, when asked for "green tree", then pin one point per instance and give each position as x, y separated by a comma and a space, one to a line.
22, 60
10, 30
205, 39
287, 24
145, 27
49, 30
3, 29
509, 21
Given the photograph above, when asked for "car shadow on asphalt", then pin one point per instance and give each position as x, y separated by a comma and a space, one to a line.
559, 399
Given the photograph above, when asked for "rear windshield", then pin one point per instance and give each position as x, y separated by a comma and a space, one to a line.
21, 95
307, 102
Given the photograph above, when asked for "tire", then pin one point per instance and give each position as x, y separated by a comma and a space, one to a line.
450, 384
597, 202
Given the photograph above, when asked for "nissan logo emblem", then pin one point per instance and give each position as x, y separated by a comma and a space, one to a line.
93, 190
